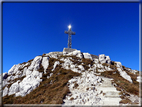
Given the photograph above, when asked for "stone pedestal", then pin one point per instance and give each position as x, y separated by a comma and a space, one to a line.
68, 50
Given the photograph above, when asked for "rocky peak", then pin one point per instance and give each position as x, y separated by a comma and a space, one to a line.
80, 75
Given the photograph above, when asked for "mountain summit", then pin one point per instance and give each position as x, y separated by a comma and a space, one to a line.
71, 77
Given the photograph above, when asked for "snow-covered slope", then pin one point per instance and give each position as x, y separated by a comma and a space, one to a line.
85, 80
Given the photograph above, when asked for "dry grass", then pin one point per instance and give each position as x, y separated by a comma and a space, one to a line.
125, 101
133, 76
112, 65
47, 93
86, 63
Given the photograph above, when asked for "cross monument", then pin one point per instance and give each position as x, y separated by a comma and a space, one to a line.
69, 32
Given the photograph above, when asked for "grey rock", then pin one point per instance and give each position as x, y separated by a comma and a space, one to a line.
5, 75
5, 91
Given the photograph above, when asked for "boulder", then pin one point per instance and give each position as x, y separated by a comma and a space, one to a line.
87, 56
72, 52
5, 75
35, 63
14, 88
104, 59
124, 75
118, 65
45, 63
55, 64
5, 91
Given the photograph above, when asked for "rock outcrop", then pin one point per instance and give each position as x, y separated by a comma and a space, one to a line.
97, 84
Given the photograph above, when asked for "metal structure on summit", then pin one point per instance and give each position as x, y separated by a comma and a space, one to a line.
69, 32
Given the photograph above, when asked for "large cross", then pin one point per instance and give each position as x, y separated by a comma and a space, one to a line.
69, 32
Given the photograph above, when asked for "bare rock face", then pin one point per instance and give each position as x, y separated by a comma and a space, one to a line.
104, 59
87, 56
92, 87
5, 75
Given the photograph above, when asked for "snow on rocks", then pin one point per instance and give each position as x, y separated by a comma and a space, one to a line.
104, 59
87, 56
124, 75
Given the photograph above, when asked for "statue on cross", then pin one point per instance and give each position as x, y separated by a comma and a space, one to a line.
69, 32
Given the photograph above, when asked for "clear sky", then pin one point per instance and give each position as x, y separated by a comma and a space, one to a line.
31, 29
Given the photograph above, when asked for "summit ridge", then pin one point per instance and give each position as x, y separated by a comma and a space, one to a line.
71, 77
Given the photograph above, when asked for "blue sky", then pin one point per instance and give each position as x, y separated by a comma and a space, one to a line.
31, 29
